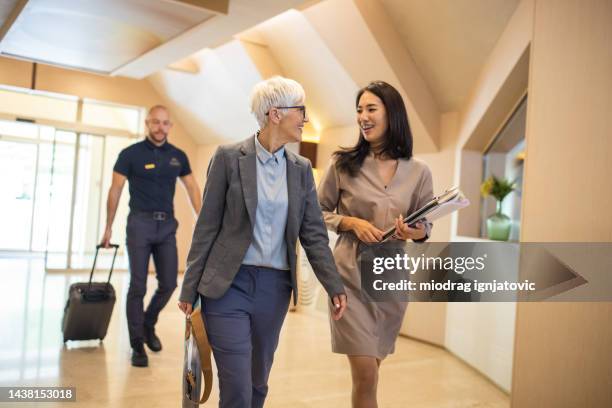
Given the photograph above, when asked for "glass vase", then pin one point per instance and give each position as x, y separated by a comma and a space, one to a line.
499, 225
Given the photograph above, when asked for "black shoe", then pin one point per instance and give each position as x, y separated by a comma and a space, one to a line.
139, 356
151, 339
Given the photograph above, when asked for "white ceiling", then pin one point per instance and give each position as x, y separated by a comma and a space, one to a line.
132, 38
96, 35
242, 15
212, 104
303, 55
450, 40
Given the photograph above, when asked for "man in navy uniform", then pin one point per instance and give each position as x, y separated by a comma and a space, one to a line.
151, 167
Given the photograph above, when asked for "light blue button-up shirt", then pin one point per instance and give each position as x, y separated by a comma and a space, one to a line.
269, 247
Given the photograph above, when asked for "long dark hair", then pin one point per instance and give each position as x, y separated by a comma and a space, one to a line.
398, 140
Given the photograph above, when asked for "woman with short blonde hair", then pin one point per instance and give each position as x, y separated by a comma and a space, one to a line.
259, 200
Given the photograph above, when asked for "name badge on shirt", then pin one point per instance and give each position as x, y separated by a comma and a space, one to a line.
150, 166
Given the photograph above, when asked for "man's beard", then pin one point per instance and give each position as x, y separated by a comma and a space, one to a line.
154, 137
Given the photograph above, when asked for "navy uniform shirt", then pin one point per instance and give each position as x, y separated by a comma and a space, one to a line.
152, 172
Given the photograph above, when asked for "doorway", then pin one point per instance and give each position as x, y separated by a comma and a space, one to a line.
54, 192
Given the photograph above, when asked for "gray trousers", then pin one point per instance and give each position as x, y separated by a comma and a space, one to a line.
146, 237
243, 327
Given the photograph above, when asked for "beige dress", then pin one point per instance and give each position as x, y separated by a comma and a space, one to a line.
368, 328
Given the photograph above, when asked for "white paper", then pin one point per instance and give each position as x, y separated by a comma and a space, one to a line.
447, 208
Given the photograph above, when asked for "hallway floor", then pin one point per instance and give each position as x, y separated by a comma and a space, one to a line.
305, 373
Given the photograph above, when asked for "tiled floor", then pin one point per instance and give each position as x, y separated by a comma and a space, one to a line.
305, 373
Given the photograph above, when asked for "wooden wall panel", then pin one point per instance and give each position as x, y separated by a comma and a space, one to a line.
563, 351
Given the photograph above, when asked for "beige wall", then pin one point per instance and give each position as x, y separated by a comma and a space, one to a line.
427, 320
483, 334
442, 165
500, 86
331, 139
204, 154
504, 57
262, 58
423, 109
117, 90
15, 73
365, 29
563, 354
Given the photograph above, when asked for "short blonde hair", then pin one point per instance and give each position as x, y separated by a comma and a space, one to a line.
272, 93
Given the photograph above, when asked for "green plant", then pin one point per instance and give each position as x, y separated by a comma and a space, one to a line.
498, 188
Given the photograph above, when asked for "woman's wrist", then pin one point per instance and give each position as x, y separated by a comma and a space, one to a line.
346, 223
423, 236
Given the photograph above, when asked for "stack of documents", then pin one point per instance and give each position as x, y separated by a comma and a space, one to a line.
447, 202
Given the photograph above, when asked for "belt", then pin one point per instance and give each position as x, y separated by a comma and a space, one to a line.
156, 215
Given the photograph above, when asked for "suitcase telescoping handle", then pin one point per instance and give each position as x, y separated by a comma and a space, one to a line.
96, 258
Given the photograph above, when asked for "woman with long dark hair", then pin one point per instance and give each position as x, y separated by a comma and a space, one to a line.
367, 189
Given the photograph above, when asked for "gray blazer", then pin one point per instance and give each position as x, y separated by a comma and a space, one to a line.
224, 229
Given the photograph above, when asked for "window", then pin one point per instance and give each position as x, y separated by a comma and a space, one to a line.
504, 158
56, 175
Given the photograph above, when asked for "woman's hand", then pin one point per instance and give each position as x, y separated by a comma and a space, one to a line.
404, 232
365, 231
339, 302
185, 307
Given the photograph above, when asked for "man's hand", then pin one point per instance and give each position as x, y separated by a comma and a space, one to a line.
185, 307
339, 306
114, 194
193, 192
105, 242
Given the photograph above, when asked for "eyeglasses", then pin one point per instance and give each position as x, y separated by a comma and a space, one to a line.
302, 108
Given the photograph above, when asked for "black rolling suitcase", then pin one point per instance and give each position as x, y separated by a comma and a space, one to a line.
89, 306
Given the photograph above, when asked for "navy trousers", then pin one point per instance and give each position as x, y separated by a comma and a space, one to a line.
146, 237
243, 327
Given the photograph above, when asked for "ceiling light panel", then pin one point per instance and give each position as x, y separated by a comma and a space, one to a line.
96, 35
